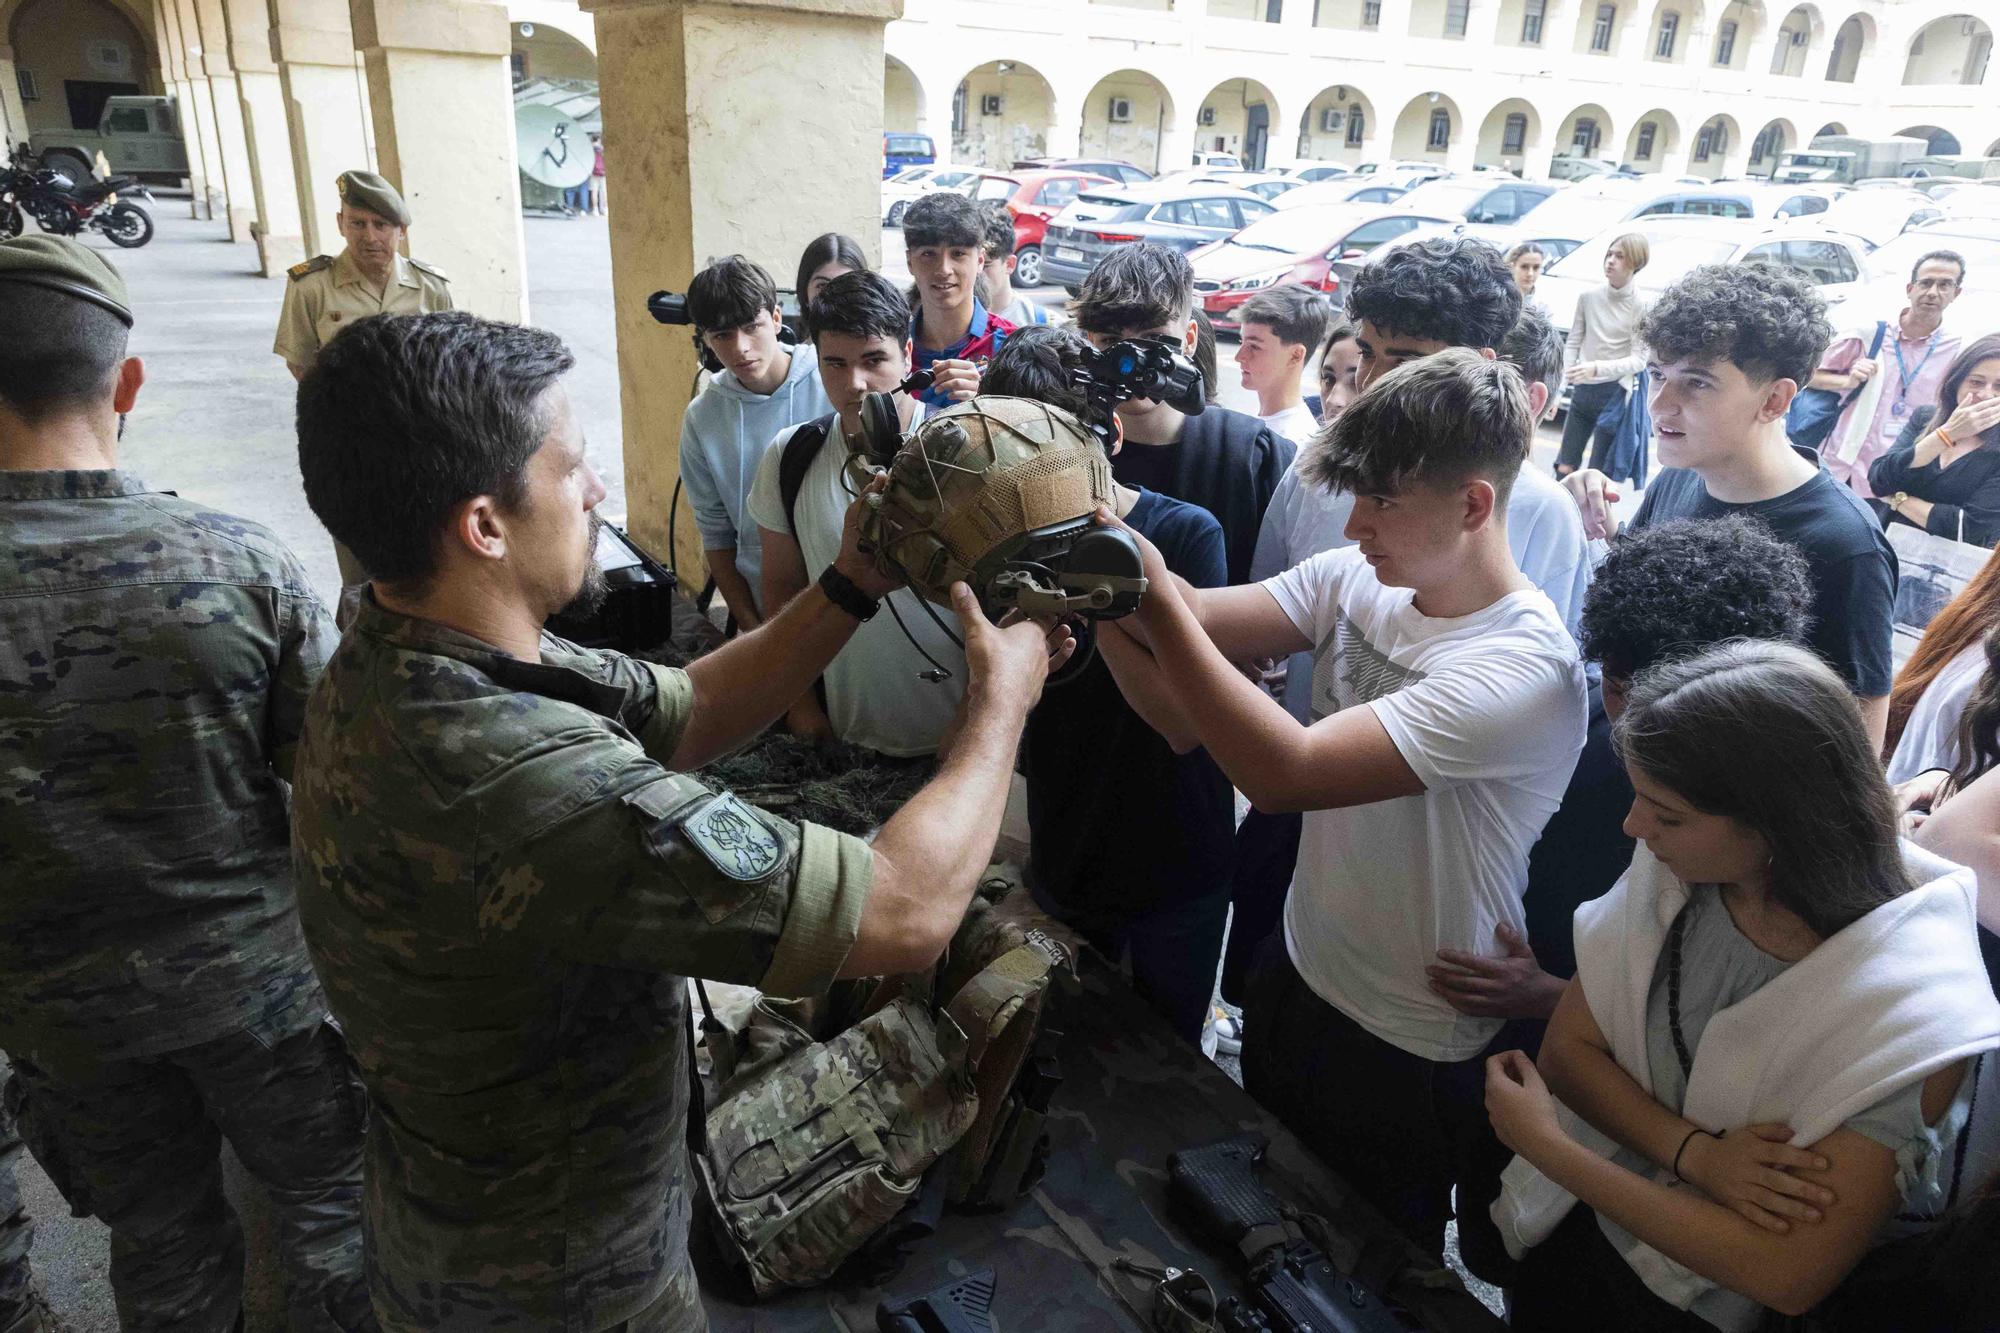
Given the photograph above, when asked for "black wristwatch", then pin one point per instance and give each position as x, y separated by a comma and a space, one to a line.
843, 593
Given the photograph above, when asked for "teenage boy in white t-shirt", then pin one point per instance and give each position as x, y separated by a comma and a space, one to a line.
1280, 328
1448, 707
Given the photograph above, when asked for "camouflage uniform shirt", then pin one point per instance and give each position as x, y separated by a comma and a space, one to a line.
155, 658
503, 889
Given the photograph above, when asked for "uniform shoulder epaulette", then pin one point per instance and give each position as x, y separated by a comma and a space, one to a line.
313, 265
431, 269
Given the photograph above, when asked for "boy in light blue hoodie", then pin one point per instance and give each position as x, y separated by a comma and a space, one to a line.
762, 385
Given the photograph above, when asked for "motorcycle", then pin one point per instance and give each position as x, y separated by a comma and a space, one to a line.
62, 207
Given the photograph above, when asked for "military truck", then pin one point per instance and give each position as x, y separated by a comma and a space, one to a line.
139, 135
1843, 159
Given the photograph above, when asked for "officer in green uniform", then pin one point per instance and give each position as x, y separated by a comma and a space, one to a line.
155, 993
369, 277
506, 872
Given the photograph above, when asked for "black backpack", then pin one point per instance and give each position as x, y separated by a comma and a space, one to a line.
796, 461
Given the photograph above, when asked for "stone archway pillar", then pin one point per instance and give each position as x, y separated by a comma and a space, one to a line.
1065, 136
440, 90
197, 109
325, 105
226, 105
1537, 157
691, 91
267, 139
13, 115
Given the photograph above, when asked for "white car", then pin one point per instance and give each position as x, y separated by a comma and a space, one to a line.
1975, 242
1835, 262
899, 192
1881, 215
1342, 190
1264, 184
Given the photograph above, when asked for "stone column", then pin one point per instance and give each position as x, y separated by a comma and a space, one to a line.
13, 116
227, 106
326, 114
181, 36
267, 140
441, 94
691, 92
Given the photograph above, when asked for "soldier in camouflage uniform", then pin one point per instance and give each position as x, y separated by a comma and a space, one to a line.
155, 993
505, 872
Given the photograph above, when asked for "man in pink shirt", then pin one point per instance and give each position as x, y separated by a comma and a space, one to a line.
1915, 354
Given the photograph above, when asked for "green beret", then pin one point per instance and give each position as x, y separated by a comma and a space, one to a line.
364, 189
63, 265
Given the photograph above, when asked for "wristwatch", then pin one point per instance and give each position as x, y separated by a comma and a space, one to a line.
1896, 501
843, 593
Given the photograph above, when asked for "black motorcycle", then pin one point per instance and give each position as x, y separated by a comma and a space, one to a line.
62, 207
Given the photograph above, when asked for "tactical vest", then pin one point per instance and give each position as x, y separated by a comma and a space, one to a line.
816, 1145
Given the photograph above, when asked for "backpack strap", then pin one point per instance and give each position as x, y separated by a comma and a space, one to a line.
796, 461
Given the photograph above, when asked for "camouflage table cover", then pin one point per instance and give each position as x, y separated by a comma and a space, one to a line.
1132, 1094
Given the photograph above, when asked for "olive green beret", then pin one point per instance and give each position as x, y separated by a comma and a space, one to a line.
364, 189
63, 265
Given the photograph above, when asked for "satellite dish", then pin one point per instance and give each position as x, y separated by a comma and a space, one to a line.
555, 150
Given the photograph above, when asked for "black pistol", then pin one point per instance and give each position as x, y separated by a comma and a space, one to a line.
966, 1306
1294, 1285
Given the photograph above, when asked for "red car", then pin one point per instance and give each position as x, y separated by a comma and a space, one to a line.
1292, 245
1040, 196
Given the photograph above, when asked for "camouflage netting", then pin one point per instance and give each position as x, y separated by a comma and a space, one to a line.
823, 782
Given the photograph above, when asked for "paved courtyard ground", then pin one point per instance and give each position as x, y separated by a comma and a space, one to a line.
214, 423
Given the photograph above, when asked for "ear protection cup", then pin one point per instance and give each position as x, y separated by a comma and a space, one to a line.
881, 427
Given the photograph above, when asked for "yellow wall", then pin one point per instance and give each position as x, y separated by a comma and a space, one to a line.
554, 55
87, 40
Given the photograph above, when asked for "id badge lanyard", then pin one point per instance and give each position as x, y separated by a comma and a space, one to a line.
1901, 407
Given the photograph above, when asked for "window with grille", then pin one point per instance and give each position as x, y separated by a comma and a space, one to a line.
1644, 151
1371, 13
1584, 139
1725, 43
1600, 31
1704, 144
1515, 136
1440, 129
1456, 13
1354, 126
1531, 22
1670, 31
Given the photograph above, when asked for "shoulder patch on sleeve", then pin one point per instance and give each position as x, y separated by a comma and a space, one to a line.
734, 838
313, 265
431, 269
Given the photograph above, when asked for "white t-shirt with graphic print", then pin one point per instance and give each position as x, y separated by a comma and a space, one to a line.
1489, 710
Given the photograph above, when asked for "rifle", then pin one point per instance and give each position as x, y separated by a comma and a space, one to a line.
1294, 1287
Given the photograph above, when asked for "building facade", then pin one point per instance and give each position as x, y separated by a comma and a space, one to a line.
1684, 87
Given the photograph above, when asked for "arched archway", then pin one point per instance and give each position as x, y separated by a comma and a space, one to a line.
1953, 49
1128, 116
1674, 31
1993, 149
1850, 44
1511, 130
1426, 128
78, 54
543, 51
1940, 140
1714, 144
1585, 131
1798, 36
1771, 143
1739, 27
1831, 127
1001, 112
1237, 116
902, 96
1336, 125
1655, 138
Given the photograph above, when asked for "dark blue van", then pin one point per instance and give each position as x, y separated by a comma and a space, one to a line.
900, 150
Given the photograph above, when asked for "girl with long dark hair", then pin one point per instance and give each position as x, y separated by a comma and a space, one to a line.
826, 257
1930, 690
1943, 475
1778, 1027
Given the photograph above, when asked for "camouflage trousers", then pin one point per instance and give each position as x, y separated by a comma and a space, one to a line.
17, 1232
137, 1144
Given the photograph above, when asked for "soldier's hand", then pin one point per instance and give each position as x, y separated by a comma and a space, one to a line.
1007, 662
1160, 585
861, 569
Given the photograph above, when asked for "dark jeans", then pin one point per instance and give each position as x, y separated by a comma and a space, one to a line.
1170, 955
137, 1144
1575, 1282
1267, 848
1580, 426
1399, 1128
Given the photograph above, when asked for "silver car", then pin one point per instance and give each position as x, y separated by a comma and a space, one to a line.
1176, 214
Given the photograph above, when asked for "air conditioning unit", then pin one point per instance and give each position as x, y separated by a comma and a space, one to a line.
989, 104
1121, 110
1207, 116
1331, 118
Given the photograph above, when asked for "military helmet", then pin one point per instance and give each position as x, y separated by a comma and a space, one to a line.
1000, 493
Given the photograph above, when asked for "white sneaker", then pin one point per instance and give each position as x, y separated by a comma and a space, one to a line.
1223, 1032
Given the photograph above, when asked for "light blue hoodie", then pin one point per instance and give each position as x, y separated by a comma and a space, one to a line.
723, 434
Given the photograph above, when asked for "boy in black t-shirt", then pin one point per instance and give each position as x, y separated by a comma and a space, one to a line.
1728, 348
1223, 461
1129, 836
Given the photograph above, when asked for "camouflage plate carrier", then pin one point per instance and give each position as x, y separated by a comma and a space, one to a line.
815, 1145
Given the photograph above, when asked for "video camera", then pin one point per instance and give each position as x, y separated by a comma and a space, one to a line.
672, 308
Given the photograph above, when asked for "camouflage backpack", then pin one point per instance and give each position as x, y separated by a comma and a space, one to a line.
816, 1145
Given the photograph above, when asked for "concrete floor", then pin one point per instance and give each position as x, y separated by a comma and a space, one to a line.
214, 423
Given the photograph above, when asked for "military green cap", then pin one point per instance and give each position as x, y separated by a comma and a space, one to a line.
63, 265
364, 189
